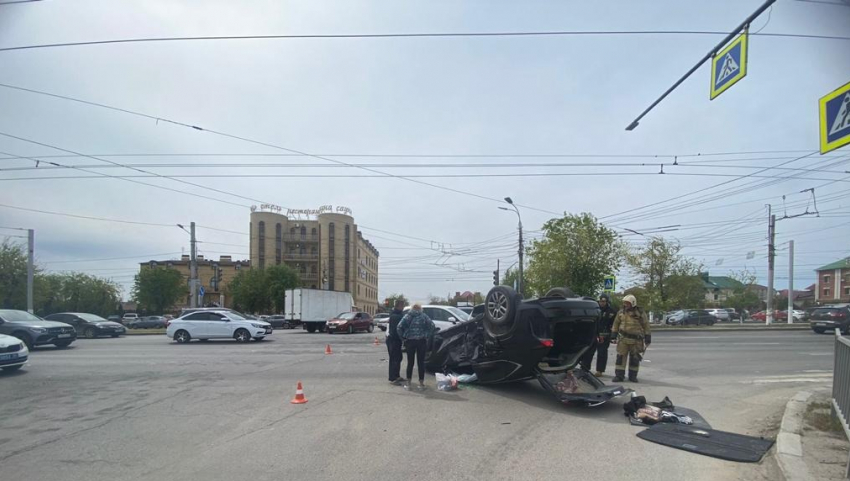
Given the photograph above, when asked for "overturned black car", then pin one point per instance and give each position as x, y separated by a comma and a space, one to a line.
516, 339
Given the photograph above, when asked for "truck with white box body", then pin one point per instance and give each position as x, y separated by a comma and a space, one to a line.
313, 307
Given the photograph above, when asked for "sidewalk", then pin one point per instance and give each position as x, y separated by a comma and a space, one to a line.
811, 443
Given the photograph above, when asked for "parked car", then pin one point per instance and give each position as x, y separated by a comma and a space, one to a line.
351, 322
114, 318
279, 321
129, 317
89, 325
761, 316
688, 317
519, 339
149, 322
720, 315
733, 314
466, 309
13, 353
444, 317
382, 320
35, 331
216, 324
674, 317
830, 318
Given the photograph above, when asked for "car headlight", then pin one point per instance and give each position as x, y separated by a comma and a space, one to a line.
258, 326
39, 330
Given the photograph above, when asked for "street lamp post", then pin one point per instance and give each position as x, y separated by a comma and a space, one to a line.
520, 281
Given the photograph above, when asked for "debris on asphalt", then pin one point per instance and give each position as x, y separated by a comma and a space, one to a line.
709, 442
446, 382
466, 378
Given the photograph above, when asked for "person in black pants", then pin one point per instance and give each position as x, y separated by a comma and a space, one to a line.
416, 329
394, 343
604, 323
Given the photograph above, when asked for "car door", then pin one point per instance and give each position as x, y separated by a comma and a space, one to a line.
366, 321
195, 323
218, 326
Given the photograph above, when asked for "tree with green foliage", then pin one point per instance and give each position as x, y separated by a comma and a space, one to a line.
576, 251
670, 280
510, 277
79, 292
389, 301
279, 279
13, 276
156, 290
745, 295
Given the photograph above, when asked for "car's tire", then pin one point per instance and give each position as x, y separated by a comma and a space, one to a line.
89, 333
13, 368
182, 337
311, 328
563, 292
350, 329
500, 308
62, 345
371, 328
242, 335
286, 325
24, 337
819, 331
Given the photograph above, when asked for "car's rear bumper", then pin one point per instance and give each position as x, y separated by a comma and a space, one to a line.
827, 324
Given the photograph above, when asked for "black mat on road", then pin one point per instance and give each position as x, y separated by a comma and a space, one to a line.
717, 444
699, 421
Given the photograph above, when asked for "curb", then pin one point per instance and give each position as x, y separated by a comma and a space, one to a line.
730, 329
789, 446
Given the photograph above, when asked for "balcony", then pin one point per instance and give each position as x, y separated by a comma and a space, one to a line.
300, 238
289, 256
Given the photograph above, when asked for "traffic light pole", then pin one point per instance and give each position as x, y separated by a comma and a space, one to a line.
496, 274
193, 268
30, 267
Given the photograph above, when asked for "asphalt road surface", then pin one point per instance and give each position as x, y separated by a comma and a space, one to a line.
144, 408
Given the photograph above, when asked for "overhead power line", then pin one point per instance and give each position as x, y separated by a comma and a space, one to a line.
549, 33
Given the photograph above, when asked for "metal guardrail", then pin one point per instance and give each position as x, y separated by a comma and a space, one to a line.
841, 385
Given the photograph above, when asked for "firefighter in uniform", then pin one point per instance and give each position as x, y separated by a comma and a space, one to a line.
631, 335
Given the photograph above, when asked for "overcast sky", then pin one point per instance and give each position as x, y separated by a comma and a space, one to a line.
536, 95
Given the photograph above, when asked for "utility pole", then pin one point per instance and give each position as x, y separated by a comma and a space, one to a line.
521, 281
30, 267
193, 268
790, 282
771, 254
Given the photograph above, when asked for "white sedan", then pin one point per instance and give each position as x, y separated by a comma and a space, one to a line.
212, 324
13, 353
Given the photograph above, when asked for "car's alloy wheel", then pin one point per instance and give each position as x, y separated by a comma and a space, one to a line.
242, 335
89, 333
182, 337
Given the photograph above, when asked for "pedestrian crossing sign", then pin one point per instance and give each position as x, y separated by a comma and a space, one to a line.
729, 65
835, 119
610, 282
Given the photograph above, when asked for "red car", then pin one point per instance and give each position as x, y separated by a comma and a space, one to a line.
350, 322
762, 315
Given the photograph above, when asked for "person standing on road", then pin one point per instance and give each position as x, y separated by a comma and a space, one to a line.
602, 338
394, 343
632, 336
416, 329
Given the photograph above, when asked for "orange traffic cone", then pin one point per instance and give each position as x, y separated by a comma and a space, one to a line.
328, 349
377, 342
299, 395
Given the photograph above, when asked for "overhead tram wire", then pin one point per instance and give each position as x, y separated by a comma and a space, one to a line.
269, 145
550, 33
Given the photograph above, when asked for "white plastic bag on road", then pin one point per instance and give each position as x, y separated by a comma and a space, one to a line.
445, 382
467, 378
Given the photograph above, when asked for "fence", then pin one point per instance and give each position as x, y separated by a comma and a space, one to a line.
841, 385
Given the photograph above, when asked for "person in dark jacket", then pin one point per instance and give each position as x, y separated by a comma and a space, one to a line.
603, 337
394, 343
416, 329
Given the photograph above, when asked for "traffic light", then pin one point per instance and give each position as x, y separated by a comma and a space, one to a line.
496, 277
219, 274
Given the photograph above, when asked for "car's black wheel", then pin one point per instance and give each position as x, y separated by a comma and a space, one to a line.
311, 329
563, 292
24, 337
89, 333
500, 307
13, 368
182, 337
62, 345
819, 331
371, 328
242, 335
286, 325
350, 329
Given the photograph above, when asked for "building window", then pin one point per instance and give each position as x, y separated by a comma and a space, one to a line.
847, 291
278, 243
331, 255
347, 260
303, 233
313, 233
826, 279
826, 293
262, 244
